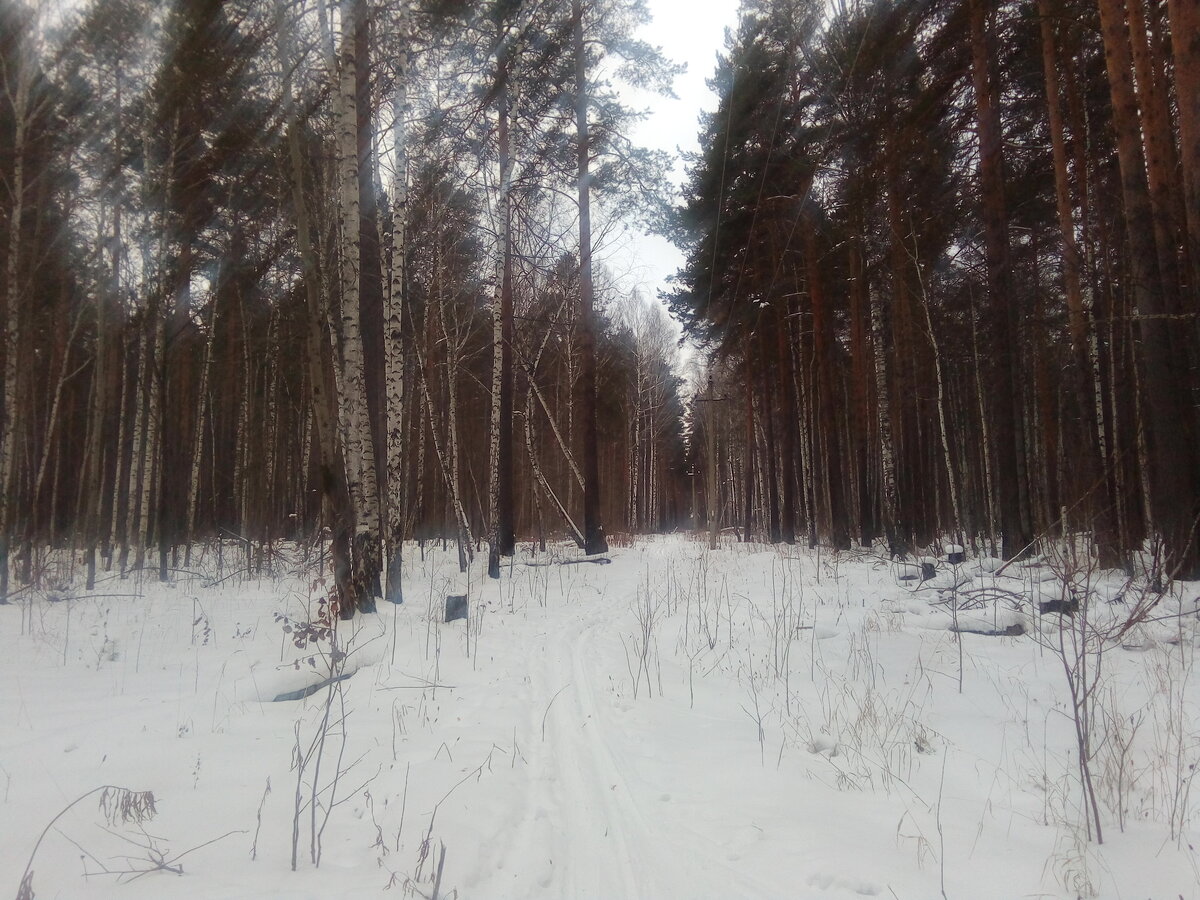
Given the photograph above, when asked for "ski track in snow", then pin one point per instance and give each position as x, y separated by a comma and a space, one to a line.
589, 818
540, 771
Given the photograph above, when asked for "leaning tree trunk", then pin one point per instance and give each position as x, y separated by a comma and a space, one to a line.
531, 447
452, 492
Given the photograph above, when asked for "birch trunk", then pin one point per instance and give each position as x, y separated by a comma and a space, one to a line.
897, 545
636, 442
394, 349
502, 538
318, 351
943, 427
360, 453
713, 503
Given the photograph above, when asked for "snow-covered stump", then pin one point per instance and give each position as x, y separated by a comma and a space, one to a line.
456, 607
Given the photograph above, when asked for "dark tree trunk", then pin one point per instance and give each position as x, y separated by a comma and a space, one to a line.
1011, 473
1169, 425
827, 434
593, 531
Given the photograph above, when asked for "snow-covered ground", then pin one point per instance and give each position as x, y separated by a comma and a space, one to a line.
749, 722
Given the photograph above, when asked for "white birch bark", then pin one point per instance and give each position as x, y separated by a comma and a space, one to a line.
271, 445
395, 389
352, 387
951, 478
989, 492
360, 449
241, 464
504, 245
323, 419
887, 453
636, 451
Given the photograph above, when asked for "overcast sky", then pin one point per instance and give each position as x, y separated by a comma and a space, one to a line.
691, 32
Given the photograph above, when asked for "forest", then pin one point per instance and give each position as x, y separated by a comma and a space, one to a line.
274, 270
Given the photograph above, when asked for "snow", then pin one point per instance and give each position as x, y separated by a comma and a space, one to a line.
745, 722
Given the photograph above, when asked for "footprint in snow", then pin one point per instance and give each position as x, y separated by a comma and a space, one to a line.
853, 885
823, 745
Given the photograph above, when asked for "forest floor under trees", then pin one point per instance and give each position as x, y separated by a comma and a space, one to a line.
748, 722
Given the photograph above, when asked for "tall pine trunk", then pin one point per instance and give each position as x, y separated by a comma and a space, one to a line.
1169, 423
12, 312
593, 531
1007, 409
1185, 46
1082, 430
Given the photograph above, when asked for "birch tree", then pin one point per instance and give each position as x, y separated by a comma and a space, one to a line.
360, 453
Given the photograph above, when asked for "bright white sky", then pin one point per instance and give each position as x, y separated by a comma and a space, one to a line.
691, 32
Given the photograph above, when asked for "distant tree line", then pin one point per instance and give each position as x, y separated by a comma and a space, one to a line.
946, 258
274, 266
